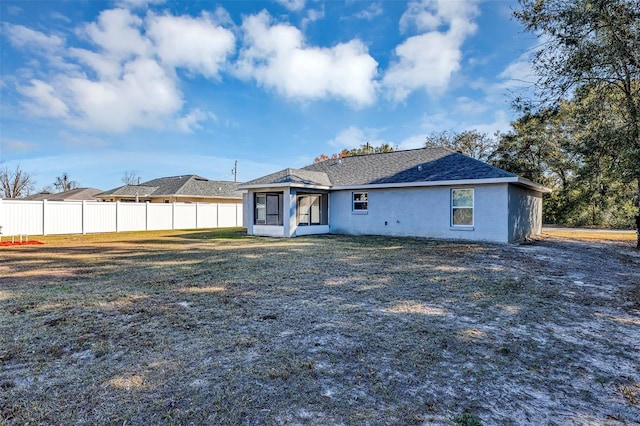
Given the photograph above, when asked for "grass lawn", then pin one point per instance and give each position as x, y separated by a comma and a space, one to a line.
214, 327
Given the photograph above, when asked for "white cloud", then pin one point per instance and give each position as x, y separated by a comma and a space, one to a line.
312, 16
413, 142
519, 73
428, 60
197, 44
277, 57
104, 66
293, 5
192, 120
144, 96
374, 10
126, 77
354, 137
117, 33
22, 37
467, 105
43, 100
500, 123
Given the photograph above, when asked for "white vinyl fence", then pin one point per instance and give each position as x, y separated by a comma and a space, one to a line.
20, 217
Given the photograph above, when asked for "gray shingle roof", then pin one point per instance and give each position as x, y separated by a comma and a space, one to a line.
184, 186
300, 176
77, 194
410, 166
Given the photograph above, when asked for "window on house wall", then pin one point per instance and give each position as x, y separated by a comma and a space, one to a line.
360, 201
312, 209
462, 207
268, 209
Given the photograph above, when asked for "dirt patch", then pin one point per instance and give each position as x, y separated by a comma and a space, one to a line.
320, 330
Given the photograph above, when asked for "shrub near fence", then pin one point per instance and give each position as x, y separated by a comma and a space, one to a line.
21, 217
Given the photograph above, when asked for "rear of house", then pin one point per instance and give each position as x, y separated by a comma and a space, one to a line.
430, 192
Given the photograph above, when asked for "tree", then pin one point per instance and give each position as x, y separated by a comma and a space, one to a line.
130, 177
550, 147
63, 183
470, 142
16, 183
593, 44
364, 149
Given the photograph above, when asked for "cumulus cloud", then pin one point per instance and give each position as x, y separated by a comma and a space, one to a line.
22, 37
197, 44
144, 95
277, 57
429, 59
126, 76
117, 33
43, 100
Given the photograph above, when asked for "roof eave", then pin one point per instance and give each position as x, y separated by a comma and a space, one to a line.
285, 185
512, 179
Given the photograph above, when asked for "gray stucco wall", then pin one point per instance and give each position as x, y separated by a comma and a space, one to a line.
422, 212
525, 213
502, 213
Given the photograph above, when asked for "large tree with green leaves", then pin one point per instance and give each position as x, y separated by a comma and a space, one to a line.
593, 44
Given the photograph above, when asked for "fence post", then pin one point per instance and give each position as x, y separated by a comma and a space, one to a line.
44, 217
84, 216
173, 215
117, 215
197, 227
146, 215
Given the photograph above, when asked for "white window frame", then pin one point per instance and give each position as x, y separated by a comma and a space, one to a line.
360, 202
310, 208
472, 207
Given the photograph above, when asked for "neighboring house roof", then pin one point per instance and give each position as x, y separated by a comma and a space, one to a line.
77, 194
416, 166
178, 186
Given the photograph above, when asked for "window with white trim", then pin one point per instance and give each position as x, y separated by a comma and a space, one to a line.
312, 209
462, 207
360, 201
268, 209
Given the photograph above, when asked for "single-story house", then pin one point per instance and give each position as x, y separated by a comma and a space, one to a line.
187, 189
429, 192
78, 194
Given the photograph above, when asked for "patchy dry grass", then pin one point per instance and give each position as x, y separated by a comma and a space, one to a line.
591, 234
219, 328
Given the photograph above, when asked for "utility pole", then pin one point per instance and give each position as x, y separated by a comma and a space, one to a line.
235, 171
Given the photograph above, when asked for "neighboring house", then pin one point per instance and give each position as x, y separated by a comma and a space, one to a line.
430, 192
187, 188
78, 194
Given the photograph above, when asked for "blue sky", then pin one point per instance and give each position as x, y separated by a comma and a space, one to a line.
165, 88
